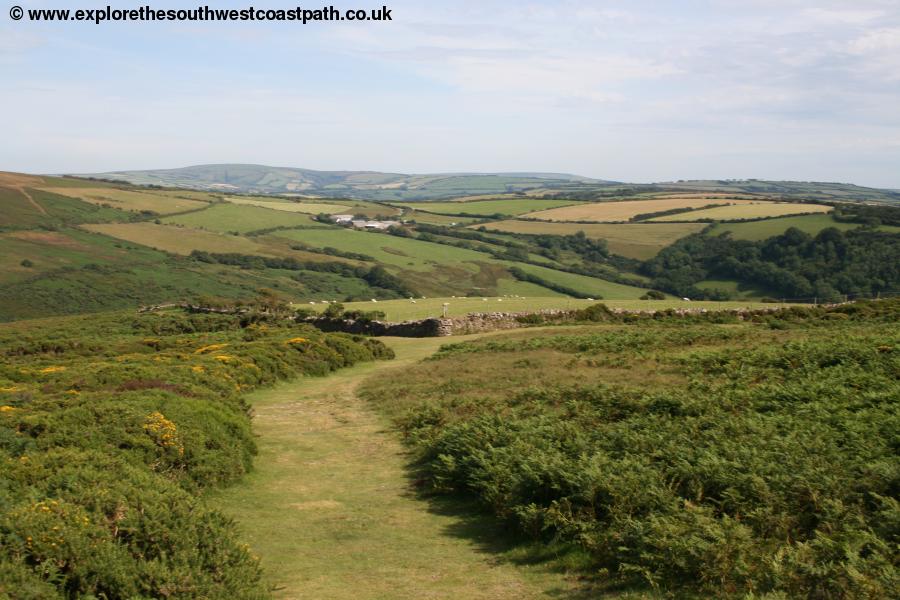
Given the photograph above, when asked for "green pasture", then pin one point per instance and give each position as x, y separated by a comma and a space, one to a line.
241, 218
812, 224
640, 241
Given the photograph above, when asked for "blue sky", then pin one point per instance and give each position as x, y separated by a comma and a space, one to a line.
635, 91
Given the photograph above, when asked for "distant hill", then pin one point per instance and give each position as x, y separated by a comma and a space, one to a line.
813, 190
387, 187
260, 179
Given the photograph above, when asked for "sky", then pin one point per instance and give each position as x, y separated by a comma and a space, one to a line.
634, 91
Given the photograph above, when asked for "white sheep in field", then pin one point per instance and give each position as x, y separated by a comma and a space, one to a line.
374, 300
413, 301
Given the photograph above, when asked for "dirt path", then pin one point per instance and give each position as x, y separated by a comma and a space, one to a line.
331, 513
33, 202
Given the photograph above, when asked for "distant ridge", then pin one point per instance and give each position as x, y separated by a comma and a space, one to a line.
261, 179
386, 187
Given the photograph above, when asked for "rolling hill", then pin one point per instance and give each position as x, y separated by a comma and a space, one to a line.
400, 187
260, 179
71, 245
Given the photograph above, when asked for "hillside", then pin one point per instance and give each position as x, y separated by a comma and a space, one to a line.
75, 245
69, 246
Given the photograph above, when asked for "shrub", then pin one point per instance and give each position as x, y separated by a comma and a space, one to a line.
110, 429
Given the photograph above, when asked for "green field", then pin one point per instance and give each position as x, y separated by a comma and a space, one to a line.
746, 211
405, 253
229, 217
598, 288
812, 224
488, 208
433, 267
633, 240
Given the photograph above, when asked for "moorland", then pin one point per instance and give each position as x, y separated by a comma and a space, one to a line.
710, 410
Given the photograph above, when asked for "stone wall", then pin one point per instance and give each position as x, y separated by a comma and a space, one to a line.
422, 328
473, 323
489, 321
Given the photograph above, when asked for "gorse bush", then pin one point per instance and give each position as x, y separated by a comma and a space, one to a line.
691, 458
112, 426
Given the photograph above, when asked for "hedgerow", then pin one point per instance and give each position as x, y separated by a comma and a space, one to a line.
111, 428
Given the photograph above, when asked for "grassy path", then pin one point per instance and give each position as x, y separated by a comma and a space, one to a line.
331, 512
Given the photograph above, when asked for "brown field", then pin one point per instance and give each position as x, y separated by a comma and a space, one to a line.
301, 207
16, 180
748, 211
162, 203
623, 211
633, 240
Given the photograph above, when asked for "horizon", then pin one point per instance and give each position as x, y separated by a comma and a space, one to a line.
639, 92
464, 173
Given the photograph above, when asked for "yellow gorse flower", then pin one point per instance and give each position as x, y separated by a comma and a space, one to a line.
54, 369
163, 431
210, 348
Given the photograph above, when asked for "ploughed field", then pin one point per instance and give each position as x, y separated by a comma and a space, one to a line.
728, 208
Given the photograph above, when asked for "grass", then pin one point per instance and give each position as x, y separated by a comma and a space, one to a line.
640, 241
312, 208
400, 252
158, 202
623, 211
747, 211
450, 268
331, 510
403, 310
756, 231
509, 207
234, 217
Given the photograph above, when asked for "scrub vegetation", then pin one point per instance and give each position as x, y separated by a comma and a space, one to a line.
690, 456
112, 428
